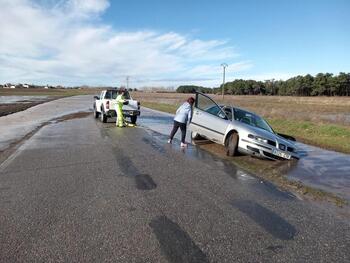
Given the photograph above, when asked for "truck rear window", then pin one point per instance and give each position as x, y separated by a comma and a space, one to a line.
112, 95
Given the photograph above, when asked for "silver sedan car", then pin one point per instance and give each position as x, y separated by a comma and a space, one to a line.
239, 131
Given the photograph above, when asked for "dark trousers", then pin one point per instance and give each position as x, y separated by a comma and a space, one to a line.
182, 128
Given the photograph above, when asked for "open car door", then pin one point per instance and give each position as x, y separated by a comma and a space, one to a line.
208, 119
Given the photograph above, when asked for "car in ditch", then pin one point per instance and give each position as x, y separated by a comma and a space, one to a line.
239, 130
105, 106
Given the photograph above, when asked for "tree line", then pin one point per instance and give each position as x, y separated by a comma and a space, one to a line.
323, 84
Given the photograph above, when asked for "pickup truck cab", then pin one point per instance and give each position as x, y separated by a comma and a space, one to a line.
105, 106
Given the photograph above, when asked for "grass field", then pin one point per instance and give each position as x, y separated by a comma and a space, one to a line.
320, 121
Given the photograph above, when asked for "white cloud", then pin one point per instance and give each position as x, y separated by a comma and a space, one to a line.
62, 44
88, 6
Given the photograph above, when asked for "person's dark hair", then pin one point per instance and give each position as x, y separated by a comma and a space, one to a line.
191, 100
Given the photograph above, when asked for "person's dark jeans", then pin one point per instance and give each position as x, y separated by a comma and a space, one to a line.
182, 128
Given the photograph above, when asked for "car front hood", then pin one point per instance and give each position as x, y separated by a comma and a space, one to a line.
262, 133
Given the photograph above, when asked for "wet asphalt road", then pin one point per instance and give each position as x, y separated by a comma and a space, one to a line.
83, 191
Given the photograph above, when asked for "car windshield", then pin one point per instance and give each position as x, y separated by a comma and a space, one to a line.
112, 94
251, 119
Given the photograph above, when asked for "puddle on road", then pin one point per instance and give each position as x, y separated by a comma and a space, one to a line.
322, 169
267, 219
175, 243
21, 99
154, 144
326, 170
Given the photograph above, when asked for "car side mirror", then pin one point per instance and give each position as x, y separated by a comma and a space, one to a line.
96, 97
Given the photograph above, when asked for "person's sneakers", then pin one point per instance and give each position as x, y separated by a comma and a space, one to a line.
183, 145
169, 141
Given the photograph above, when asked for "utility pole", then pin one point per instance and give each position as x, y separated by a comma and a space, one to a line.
127, 82
224, 66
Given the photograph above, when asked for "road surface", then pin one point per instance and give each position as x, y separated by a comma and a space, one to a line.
82, 191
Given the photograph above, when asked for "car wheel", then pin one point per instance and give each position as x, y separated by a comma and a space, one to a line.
133, 119
96, 114
232, 144
103, 116
195, 136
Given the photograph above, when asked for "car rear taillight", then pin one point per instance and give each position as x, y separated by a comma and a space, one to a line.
107, 105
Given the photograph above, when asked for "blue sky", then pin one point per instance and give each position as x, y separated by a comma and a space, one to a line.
168, 43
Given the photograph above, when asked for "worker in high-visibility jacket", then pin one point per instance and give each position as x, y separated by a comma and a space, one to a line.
120, 102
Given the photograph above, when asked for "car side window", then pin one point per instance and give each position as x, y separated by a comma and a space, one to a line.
228, 112
114, 95
205, 104
108, 95
213, 110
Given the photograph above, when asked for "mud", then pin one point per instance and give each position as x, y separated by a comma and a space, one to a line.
175, 243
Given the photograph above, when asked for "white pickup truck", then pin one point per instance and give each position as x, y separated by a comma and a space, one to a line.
105, 106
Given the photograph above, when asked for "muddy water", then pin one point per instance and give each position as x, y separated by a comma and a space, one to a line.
322, 169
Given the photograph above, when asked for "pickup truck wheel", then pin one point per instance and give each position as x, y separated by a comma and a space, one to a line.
232, 144
133, 119
103, 116
96, 114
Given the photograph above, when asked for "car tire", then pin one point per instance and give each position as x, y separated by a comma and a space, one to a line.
195, 136
133, 119
232, 144
96, 114
103, 116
